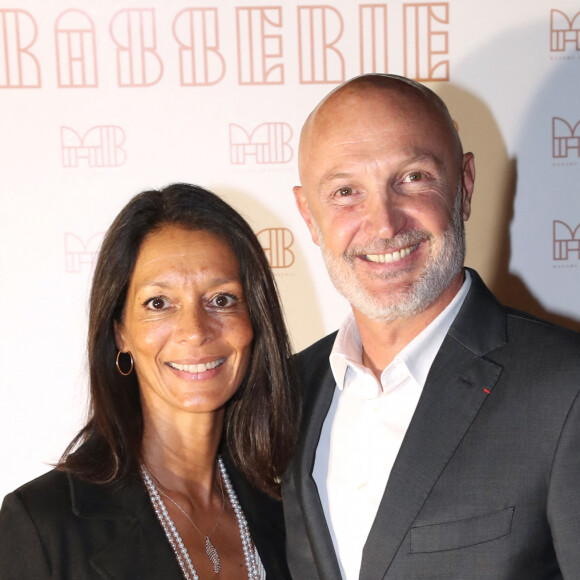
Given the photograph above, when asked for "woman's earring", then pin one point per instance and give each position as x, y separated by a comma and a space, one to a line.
119, 353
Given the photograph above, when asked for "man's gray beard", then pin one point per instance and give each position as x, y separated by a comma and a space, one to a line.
433, 280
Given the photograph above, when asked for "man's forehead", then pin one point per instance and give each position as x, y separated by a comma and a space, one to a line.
354, 112
366, 120
393, 99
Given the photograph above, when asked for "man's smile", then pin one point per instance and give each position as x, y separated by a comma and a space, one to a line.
395, 256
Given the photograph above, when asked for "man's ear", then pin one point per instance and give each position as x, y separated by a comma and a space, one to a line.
468, 180
304, 209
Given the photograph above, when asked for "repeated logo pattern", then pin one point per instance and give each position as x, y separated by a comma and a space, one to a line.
80, 254
565, 31
100, 146
268, 143
277, 244
565, 138
566, 241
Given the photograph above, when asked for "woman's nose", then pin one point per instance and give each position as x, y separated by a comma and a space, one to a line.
195, 325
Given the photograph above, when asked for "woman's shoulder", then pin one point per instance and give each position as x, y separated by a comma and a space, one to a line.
27, 516
58, 526
51, 479
61, 492
53, 487
45, 500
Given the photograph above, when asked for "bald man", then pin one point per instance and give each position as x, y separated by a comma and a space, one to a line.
441, 430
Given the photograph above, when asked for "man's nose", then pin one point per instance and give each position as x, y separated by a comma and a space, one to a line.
385, 216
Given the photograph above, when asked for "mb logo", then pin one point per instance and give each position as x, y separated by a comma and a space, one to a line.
277, 243
100, 146
268, 143
566, 241
79, 253
565, 136
564, 31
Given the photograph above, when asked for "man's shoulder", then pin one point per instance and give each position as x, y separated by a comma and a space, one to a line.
539, 332
313, 362
484, 325
320, 350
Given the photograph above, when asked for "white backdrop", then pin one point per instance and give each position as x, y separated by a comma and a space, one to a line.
100, 100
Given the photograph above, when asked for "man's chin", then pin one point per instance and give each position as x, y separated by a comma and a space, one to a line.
377, 307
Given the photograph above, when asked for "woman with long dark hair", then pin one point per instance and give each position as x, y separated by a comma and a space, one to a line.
192, 417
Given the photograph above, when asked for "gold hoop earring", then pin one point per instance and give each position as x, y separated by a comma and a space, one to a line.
119, 353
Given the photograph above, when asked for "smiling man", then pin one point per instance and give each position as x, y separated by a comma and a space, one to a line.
441, 431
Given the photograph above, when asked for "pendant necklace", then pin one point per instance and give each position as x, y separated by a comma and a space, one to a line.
250, 555
210, 550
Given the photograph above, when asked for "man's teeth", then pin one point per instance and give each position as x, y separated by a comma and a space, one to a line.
394, 257
201, 368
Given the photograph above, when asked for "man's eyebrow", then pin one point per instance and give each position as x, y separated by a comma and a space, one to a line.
421, 155
333, 176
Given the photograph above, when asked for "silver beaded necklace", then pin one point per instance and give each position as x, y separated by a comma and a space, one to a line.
253, 565
210, 549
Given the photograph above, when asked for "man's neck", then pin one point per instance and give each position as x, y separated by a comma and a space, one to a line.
382, 341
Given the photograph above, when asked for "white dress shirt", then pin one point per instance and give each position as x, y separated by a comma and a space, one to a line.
364, 429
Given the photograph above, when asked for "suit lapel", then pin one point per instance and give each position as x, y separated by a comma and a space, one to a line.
265, 519
458, 383
134, 543
318, 397
141, 552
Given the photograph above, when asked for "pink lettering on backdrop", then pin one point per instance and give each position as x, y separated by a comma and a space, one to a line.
100, 146
19, 67
373, 38
268, 143
564, 31
138, 63
425, 40
200, 60
260, 54
79, 253
76, 52
258, 45
319, 30
566, 240
276, 243
565, 137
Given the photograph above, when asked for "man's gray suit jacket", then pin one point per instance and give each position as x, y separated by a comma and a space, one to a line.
486, 484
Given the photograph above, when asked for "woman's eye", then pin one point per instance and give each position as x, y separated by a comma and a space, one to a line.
156, 303
414, 176
223, 300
